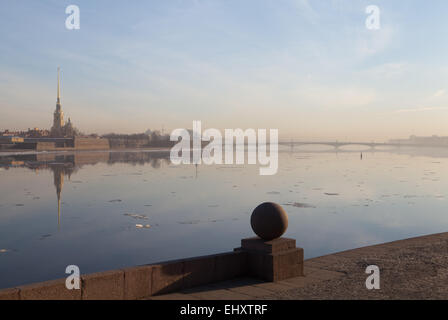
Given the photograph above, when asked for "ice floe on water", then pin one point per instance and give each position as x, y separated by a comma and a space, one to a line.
189, 222
299, 205
146, 226
136, 216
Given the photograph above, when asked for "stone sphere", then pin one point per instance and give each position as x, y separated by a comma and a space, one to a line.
269, 221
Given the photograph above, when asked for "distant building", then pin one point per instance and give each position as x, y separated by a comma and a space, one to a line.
59, 128
31, 133
8, 133
430, 141
37, 133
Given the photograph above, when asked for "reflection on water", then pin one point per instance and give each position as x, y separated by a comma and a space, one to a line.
66, 164
106, 210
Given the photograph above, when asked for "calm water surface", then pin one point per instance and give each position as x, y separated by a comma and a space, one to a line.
82, 208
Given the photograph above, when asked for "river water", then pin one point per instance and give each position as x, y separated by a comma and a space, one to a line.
107, 210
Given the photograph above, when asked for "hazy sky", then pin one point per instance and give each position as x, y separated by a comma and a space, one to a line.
309, 68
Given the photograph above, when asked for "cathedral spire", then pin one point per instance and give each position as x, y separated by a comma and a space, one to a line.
59, 90
58, 115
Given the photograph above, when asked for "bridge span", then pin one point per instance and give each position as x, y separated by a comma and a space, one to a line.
337, 144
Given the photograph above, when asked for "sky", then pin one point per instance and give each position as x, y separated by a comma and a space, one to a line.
310, 69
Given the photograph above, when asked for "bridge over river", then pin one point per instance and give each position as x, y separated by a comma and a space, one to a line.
338, 144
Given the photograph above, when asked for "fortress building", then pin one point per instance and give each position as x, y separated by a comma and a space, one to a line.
59, 128
62, 136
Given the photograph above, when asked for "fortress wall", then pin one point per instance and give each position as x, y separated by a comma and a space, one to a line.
79, 144
91, 144
45, 146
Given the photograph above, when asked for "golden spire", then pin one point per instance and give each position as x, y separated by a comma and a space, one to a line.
59, 90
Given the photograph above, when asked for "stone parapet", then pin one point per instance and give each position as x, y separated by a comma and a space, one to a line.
138, 282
